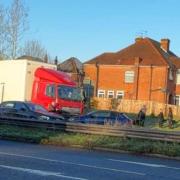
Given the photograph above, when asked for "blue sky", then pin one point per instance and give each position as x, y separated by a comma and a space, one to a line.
87, 28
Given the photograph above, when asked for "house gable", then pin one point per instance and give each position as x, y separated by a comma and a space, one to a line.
147, 49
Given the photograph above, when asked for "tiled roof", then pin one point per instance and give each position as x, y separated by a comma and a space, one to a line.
71, 65
147, 49
30, 58
176, 61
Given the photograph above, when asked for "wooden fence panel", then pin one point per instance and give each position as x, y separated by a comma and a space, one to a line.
133, 106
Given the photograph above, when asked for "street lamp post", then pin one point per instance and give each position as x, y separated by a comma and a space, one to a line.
2, 94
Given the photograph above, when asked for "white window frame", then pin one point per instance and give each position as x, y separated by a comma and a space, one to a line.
101, 92
177, 99
178, 77
129, 76
119, 93
110, 93
170, 74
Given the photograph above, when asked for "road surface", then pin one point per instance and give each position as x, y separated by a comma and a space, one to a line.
21, 161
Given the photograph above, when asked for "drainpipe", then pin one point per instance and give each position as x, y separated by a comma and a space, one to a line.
166, 85
150, 84
137, 61
97, 77
166, 89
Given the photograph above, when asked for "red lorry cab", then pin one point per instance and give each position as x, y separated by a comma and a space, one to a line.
56, 91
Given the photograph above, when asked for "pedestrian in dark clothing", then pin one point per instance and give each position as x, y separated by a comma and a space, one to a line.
161, 118
170, 118
141, 116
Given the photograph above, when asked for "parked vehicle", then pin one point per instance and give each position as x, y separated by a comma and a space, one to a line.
27, 110
103, 117
41, 83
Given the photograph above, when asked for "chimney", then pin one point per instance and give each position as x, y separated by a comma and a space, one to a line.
56, 60
138, 39
165, 44
137, 60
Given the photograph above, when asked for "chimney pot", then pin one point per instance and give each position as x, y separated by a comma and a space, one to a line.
138, 39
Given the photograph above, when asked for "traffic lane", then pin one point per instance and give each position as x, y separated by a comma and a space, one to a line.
52, 167
77, 155
93, 173
105, 161
140, 163
72, 152
16, 173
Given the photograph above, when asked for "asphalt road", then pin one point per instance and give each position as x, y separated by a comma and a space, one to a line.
21, 161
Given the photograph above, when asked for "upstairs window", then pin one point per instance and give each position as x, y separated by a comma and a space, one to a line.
110, 94
170, 74
129, 76
120, 94
101, 93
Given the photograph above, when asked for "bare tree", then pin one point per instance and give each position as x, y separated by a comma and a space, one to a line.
3, 32
17, 25
35, 49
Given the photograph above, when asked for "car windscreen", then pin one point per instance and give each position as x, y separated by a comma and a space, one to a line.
69, 93
35, 107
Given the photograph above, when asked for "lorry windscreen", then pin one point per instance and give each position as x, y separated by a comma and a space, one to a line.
69, 93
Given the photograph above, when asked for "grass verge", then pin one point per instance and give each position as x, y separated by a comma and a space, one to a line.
42, 136
151, 122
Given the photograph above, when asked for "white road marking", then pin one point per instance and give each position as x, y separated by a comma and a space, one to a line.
77, 164
40, 172
145, 164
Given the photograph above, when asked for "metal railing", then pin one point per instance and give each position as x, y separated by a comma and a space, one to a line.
106, 130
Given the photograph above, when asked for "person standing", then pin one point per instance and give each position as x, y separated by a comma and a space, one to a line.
161, 118
142, 115
170, 118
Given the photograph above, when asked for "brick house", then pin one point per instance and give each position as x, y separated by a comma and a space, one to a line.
73, 67
145, 70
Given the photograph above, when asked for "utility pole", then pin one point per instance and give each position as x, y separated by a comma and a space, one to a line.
2, 94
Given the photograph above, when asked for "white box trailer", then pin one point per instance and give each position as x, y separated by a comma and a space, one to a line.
16, 78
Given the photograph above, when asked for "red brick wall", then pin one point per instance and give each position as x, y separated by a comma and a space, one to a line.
112, 78
151, 80
178, 89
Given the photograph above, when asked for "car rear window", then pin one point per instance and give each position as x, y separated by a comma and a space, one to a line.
8, 105
101, 114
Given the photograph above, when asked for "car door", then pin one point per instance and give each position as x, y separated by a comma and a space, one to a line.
104, 117
123, 118
99, 117
22, 110
115, 119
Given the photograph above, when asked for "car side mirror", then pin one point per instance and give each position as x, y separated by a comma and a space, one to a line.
23, 109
